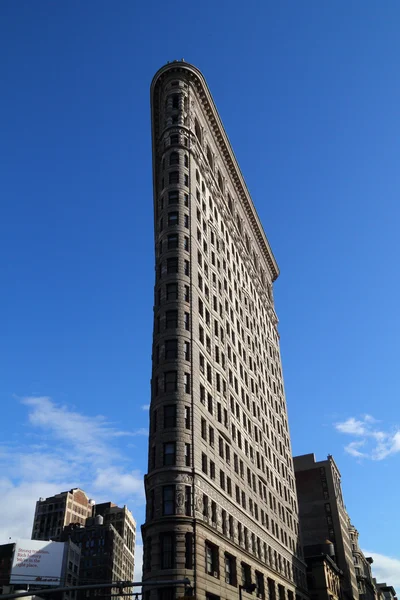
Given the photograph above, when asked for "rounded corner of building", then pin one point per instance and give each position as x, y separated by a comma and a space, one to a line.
175, 65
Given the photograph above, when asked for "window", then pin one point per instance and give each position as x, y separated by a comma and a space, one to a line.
204, 463
173, 197
171, 349
210, 158
260, 592
174, 159
175, 100
186, 268
171, 381
213, 512
186, 347
170, 416
174, 139
173, 177
186, 221
187, 455
187, 417
173, 218
172, 265
186, 160
211, 559
220, 182
173, 242
167, 550
205, 505
197, 130
168, 500
166, 593
187, 321
189, 550
169, 454
172, 292
171, 319
153, 423
246, 574
187, 383
186, 180
212, 469
204, 429
188, 500
211, 436
230, 569
147, 562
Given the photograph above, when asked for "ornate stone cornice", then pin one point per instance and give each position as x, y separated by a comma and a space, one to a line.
221, 139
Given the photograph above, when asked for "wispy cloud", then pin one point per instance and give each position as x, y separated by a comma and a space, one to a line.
74, 450
145, 406
376, 443
352, 449
385, 569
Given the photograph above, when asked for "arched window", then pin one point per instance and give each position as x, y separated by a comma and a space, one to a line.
239, 224
197, 130
210, 158
247, 243
174, 158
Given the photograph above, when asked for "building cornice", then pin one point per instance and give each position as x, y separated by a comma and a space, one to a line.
217, 128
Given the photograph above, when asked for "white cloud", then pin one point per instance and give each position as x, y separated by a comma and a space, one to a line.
385, 569
18, 506
352, 449
75, 450
377, 444
370, 419
141, 431
145, 406
126, 484
351, 426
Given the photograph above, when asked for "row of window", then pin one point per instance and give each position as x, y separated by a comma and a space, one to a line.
173, 220
240, 278
171, 317
169, 417
238, 438
247, 503
171, 294
170, 350
238, 222
171, 267
249, 541
172, 243
224, 451
168, 382
175, 178
173, 159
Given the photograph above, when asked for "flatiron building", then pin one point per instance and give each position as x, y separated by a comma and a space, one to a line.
221, 505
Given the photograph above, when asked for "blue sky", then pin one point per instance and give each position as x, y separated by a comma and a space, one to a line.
309, 95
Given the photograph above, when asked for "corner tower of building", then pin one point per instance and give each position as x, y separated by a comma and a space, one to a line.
220, 489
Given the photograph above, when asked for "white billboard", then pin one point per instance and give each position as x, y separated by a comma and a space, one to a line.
37, 562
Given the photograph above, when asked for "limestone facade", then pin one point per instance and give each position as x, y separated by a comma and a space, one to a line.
221, 504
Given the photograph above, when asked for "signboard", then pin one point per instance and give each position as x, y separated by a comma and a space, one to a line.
37, 562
